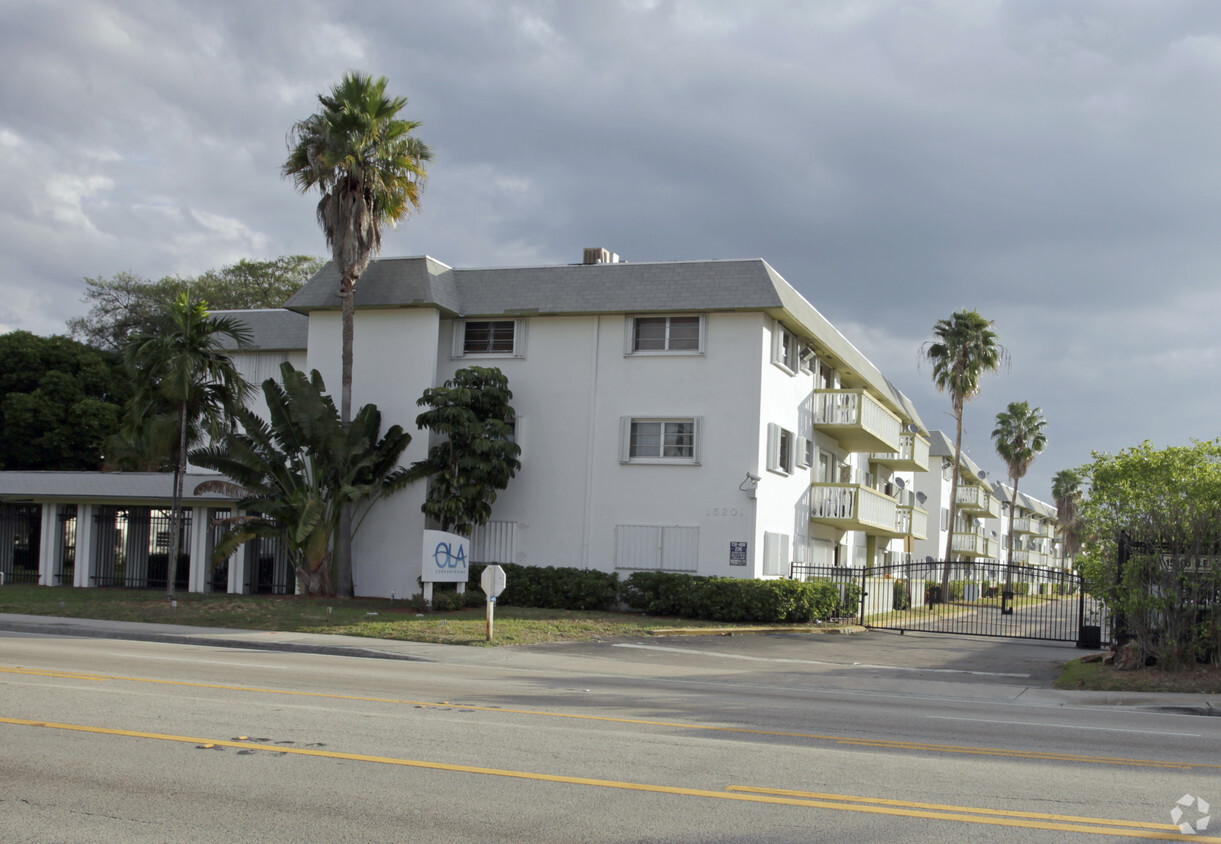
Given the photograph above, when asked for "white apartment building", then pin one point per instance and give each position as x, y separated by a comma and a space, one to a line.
1036, 533
691, 416
976, 536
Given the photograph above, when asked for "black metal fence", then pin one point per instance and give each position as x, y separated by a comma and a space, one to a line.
132, 548
20, 542
974, 599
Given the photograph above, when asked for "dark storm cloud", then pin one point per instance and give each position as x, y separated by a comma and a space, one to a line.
1052, 164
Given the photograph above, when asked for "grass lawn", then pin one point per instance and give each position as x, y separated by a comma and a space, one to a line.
376, 618
1199, 679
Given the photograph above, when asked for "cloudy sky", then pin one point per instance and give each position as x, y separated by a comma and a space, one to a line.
1054, 164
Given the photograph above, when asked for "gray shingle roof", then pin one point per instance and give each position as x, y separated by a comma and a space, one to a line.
271, 329
942, 446
666, 286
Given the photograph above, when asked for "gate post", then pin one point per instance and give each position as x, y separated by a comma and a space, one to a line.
864, 595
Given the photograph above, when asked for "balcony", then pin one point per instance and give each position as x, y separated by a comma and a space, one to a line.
912, 455
975, 543
973, 498
855, 507
857, 421
913, 521
1024, 525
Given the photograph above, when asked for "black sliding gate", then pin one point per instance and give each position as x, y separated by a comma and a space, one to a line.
984, 599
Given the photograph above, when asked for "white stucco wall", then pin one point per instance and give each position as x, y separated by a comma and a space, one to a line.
394, 360
570, 391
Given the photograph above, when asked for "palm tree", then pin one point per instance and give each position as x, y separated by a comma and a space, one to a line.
1066, 489
181, 365
963, 349
294, 474
1019, 439
369, 167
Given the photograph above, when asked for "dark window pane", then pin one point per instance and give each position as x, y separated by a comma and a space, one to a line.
685, 333
650, 334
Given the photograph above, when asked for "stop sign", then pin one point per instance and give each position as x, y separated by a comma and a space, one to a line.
492, 581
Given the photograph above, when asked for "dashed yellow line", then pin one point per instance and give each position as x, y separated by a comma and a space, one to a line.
747, 794
844, 740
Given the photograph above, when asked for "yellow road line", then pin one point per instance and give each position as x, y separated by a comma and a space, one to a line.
842, 803
1006, 813
62, 674
879, 743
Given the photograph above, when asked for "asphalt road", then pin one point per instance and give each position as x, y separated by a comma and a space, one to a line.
762, 738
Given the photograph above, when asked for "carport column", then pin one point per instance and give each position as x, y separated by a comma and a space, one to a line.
86, 559
237, 566
49, 547
200, 564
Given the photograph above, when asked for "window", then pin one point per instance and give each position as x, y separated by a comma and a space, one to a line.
500, 337
662, 334
805, 452
646, 440
775, 554
945, 518
785, 349
657, 548
779, 450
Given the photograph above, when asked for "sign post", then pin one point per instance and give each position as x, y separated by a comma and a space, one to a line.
492, 582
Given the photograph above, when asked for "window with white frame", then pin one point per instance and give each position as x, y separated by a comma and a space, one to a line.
786, 350
775, 554
665, 334
490, 338
805, 452
660, 440
780, 448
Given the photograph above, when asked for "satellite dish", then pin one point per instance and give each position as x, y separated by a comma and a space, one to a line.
921, 497
900, 483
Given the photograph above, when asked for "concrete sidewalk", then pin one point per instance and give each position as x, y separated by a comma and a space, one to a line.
605, 658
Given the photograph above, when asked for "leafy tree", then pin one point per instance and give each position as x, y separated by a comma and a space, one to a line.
181, 365
478, 456
963, 349
126, 303
1066, 491
59, 402
1019, 439
1139, 484
369, 167
294, 472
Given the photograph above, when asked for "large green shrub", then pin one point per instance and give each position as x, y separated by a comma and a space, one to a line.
549, 587
734, 599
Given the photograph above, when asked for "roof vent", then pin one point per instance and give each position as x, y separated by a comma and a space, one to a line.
598, 255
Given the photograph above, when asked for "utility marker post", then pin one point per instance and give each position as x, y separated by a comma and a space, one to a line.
492, 582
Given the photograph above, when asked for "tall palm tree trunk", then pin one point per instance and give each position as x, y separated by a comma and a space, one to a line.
343, 532
175, 546
1012, 516
949, 539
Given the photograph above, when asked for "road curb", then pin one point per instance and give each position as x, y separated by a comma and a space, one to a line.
846, 630
82, 632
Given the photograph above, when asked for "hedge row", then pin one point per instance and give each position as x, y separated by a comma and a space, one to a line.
736, 599
551, 588
666, 593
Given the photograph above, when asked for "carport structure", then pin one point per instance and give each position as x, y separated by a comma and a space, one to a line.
90, 529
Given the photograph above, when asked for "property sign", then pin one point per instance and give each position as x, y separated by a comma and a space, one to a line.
737, 553
446, 557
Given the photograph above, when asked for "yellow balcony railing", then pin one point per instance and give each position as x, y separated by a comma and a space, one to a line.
913, 521
912, 455
855, 507
857, 420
